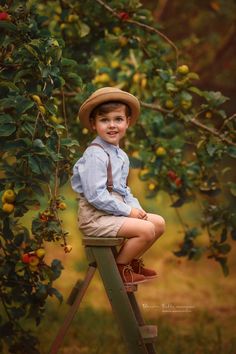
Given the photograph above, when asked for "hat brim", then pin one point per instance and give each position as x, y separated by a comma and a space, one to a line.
102, 97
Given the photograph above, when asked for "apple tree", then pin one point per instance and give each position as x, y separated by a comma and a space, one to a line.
36, 157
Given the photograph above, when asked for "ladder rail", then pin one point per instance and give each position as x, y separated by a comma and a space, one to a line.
72, 311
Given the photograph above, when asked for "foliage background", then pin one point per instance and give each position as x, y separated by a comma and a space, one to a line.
53, 55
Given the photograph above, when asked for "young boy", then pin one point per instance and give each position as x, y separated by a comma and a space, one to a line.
107, 207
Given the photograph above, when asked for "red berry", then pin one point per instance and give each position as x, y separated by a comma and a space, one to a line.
123, 15
4, 16
43, 218
178, 182
172, 175
25, 258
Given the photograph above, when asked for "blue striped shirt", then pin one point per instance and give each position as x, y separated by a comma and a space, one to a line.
90, 178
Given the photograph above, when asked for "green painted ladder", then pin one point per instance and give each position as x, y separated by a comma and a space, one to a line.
100, 253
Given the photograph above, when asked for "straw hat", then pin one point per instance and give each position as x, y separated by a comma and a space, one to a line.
107, 94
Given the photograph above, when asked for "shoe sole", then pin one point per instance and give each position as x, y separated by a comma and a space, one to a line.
152, 276
136, 282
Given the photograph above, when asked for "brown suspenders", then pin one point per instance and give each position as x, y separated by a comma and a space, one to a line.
109, 169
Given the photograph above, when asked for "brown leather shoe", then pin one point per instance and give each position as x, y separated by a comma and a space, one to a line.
128, 276
138, 267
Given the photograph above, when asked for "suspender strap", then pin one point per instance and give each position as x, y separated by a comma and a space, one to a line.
109, 169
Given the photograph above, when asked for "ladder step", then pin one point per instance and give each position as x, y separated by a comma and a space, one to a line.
149, 333
102, 241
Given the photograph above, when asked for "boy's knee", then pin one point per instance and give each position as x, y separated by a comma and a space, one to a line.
161, 225
150, 232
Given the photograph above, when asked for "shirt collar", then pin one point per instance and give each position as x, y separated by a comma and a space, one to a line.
108, 147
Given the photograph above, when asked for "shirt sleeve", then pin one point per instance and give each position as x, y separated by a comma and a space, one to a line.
131, 200
93, 177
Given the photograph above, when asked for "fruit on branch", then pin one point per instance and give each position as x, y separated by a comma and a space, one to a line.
123, 15
185, 104
8, 196
102, 78
208, 115
33, 260
123, 41
4, 16
183, 69
152, 186
169, 104
37, 99
42, 109
8, 208
160, 151
178, 182
25, 258
62, 206
40, 252
172, 175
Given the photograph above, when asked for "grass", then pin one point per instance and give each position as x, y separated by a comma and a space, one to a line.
192, 303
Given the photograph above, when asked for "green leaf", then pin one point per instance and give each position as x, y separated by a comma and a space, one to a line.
69, 142
9, 85
135, 163
84, 29
17, 144
6, 119
31, 50
7, 129
7, 232
9, 26
38, 143
55, 292
186, 96
224, 248
223, 263
56, 268
215, 98
34, 165
211, 149
232, 151
223, 236
51, 108
232, 188
233, 234
17, 312
196, 90
37, 189
68, 62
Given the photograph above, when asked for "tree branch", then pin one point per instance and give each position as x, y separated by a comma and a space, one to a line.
195, 122
148, 28
211, 131
155, 107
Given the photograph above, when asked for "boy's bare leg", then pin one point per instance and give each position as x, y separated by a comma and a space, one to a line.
159, 224
141, 234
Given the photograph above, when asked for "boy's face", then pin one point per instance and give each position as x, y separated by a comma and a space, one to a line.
111, 126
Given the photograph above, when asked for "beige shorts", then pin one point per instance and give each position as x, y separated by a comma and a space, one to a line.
97, 223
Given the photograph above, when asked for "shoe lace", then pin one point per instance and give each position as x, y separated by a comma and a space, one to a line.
140, 264
128, 269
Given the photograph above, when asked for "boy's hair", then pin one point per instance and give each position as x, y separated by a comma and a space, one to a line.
107, 107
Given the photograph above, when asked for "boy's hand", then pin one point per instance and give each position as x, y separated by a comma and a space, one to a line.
138, 214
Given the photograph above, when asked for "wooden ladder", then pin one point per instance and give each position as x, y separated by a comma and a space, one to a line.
100, 253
